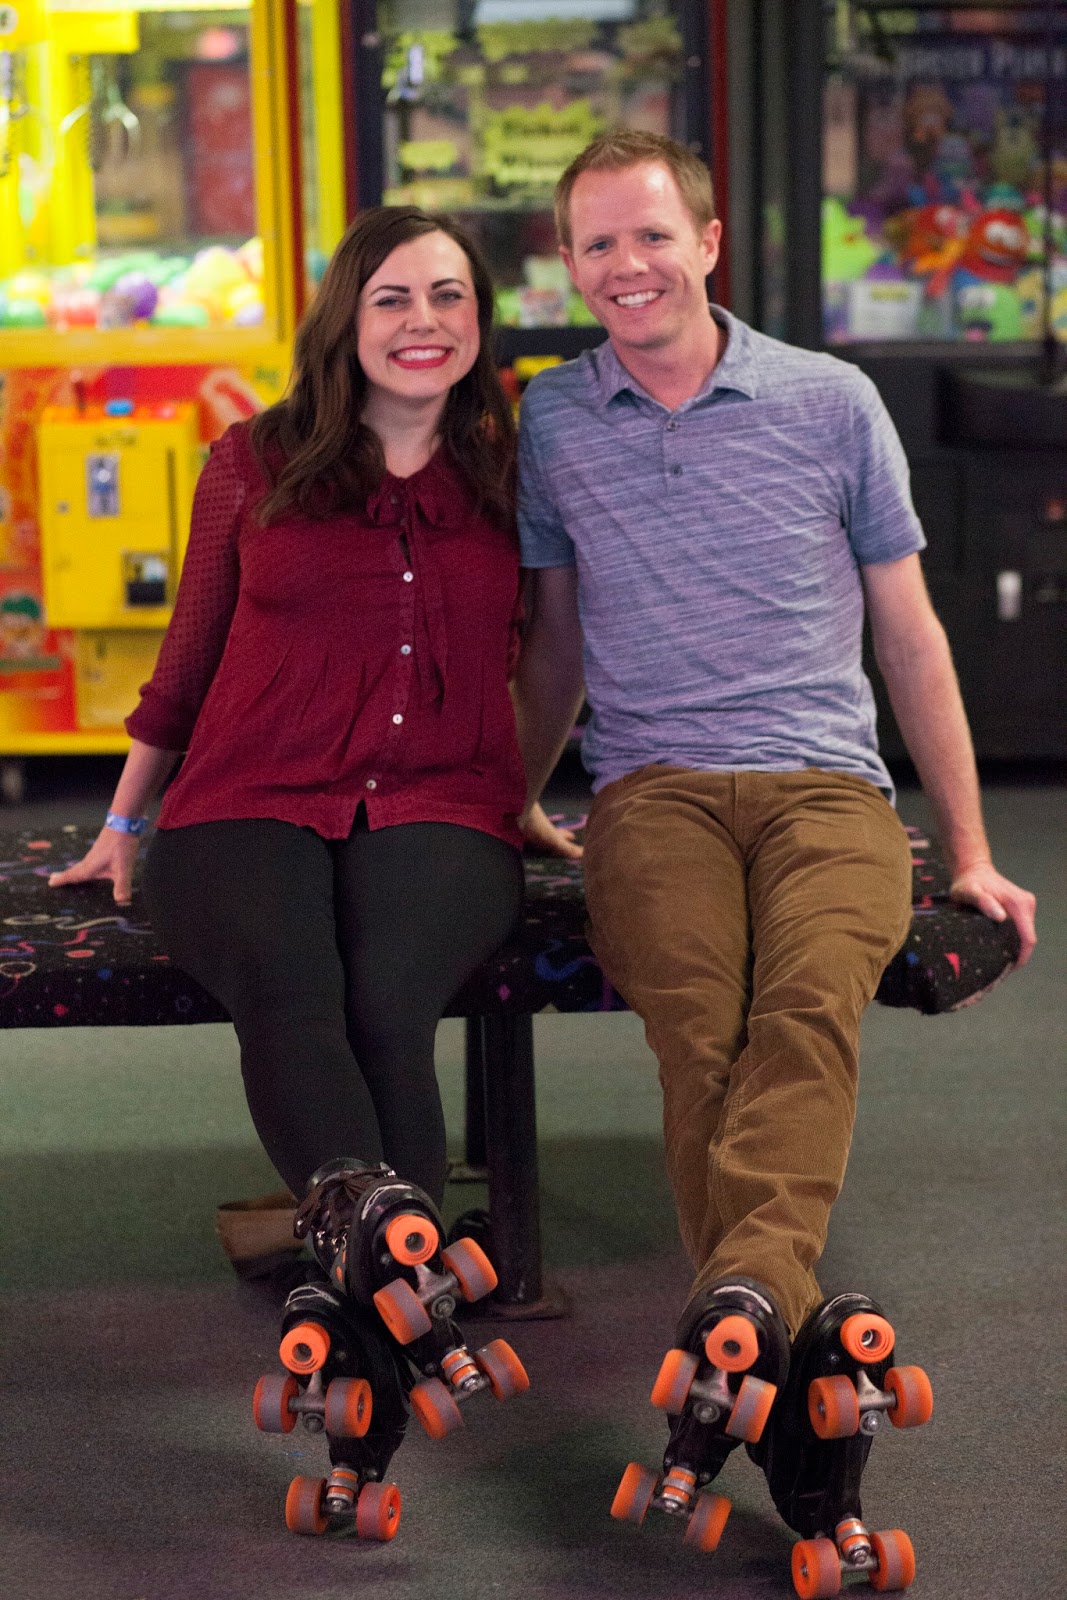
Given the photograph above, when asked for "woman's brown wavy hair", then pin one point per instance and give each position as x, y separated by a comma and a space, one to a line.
316, 454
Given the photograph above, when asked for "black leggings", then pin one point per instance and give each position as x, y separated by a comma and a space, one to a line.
335, 959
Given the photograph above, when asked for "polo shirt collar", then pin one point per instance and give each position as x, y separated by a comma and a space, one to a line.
736, 369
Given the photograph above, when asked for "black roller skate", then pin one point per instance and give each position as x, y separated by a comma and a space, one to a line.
379, 1241
341, 1379
718, 1387
839, 1392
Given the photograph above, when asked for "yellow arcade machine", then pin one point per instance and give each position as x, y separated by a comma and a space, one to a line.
172, 181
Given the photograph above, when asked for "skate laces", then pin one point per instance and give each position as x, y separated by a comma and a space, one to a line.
328, 1207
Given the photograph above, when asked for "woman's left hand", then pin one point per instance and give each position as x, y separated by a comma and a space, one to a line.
545, 838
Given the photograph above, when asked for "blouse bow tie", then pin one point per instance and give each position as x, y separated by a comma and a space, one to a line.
414, 505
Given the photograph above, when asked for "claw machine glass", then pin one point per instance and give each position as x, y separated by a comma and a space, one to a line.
918, 228
477, 106
171, 183
944, 213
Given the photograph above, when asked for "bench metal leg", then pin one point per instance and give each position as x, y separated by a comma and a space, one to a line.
474, 1119
511, 1148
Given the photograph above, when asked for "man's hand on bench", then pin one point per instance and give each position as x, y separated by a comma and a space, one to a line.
112, 855
542, 836
997, 897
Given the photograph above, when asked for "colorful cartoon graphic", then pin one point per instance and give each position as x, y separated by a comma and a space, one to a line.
939, 227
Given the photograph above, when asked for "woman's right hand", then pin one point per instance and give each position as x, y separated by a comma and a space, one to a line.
112, 855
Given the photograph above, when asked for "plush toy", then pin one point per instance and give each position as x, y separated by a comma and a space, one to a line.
847, 250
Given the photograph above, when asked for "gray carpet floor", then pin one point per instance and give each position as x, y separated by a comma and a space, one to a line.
130, 1465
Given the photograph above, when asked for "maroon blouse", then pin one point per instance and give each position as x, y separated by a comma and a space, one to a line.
310, 665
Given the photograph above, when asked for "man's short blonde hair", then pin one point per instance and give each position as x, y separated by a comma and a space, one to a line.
628, 147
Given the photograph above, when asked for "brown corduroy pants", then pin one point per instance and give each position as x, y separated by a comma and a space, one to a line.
747, 918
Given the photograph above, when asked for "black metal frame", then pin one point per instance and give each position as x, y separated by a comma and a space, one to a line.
368, 156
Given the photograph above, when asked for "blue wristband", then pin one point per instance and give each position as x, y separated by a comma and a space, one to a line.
134, 825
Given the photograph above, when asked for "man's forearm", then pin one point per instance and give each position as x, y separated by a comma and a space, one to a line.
925, 696
547, 696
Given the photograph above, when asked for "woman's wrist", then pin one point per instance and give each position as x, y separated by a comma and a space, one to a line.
122, 824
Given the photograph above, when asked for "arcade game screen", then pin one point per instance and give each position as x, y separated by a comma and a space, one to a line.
944, 212
487, 101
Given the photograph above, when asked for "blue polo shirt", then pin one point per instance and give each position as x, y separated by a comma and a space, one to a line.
718, 550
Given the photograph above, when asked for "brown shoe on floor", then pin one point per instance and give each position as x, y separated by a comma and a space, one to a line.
254, 1233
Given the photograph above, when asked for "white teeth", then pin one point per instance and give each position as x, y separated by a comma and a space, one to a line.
636, 299
419, 355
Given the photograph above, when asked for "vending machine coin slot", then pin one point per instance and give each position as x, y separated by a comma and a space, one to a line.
102, 485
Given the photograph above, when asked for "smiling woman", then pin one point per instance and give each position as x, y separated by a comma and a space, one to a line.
340, 850
417, 335
399, 281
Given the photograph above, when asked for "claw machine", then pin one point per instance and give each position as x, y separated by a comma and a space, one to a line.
172, 180
911, 209
476, 107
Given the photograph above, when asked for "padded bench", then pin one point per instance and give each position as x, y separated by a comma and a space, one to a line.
71, 958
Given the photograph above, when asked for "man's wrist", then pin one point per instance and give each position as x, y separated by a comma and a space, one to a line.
120, 824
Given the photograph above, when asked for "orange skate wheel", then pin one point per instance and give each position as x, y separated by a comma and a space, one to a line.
751, 1409
914, 1396
732, 1344
867, 1337
816, 1569
349, 1406
634, 1494
671, 1388
402, 1311
833, 1407
303, 1506
471, 1268
271, 1402
896, 1560
378, 1512
305, 1348
707, 1522
506, 1373
435, 1408
411, 1239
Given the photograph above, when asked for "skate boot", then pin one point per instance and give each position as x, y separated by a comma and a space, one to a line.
342, 1379
717, 1387
839, 1392
379, 1241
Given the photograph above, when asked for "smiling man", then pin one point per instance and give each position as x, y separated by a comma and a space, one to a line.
705, 512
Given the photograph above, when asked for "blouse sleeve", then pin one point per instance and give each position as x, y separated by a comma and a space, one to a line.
203, 610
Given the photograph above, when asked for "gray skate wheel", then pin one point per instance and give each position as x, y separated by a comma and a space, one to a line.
751, 1409
471, 1268
378, 1512
271, 1404
896, 1560
634, 1494
304, 1511
506, 1373
674, 1381
707, 1522
435, 1408
348, 1407
402, 1311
